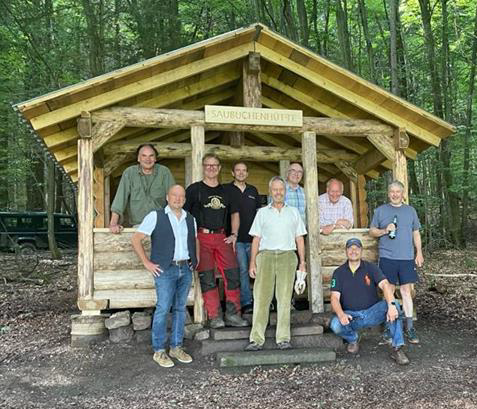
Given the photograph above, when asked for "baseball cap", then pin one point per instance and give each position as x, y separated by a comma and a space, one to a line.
354, 242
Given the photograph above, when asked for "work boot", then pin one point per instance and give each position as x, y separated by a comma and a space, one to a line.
215, 323
180, 355
412, 336
235, 320
398, 355
284, 345
163, 359
353, 347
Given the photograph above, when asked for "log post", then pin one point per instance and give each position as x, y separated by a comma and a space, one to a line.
85, 212
354, 201
284, 165
187, 171
362, 203
107, 200
400, 162
315, 289
197, 138
99, 200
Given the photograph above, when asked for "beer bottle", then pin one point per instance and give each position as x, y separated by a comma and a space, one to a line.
392, 234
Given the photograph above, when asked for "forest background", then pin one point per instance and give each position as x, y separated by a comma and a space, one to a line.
420, 50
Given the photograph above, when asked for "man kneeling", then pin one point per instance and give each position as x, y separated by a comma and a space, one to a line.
355, 301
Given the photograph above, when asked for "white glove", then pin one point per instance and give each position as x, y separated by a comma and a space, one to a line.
300, 283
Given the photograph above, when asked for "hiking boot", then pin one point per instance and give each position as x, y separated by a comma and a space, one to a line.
398, 355
386, 338
284, 345
235, 320
180, 355
253, 346
163, 359
215, 323
247, 309
412, 336
353, 347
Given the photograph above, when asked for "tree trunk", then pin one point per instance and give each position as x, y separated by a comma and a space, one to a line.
343, 33
303, 19
50, 208
363, 14
393, 12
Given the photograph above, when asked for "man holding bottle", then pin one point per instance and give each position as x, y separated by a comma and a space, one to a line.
397, 226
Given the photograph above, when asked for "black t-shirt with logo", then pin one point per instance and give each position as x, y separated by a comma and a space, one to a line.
209, 205
248, 204
359, 289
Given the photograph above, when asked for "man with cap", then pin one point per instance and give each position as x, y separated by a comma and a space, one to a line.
356, 303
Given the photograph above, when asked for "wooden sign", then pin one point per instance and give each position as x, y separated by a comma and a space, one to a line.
253, 116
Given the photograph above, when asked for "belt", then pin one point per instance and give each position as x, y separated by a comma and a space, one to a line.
211, 231
180, 262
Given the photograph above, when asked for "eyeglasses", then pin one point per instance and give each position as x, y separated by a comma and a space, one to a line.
211, 165
296, 172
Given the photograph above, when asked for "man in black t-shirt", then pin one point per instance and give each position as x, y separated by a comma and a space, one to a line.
210, 204
248, 200
355, 301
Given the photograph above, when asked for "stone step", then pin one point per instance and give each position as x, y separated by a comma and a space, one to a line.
243, 333
211, 346
296, 317
277, 357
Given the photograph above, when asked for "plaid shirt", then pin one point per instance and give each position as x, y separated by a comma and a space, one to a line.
296, 198
331, 212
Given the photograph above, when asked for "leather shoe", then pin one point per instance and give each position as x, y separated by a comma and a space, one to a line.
399, 356
353, 347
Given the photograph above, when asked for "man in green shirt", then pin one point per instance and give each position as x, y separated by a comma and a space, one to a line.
142, 188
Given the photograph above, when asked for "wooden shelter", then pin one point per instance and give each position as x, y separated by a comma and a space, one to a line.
351, 129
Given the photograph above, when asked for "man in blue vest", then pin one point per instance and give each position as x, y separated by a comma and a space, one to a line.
174, 255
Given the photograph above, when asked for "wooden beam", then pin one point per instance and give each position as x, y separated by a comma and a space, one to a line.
347, 94
254, 153
197, 153
383, 144
104, 130
363, 204
348, 170
146, 84
283, 166
99, 200
353, 188
107, 200
182, 119
400, 172
85, 218
369, 161
315, 289
252, 83
187, 171
401, 139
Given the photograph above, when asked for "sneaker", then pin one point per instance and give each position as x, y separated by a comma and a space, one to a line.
386, 338
412, 336
163, 359
216, 323
180, 355
353, 347
398, 355
284, 345
253, 346
235, 320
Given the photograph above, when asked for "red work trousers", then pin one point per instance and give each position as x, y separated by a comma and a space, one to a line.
215, 252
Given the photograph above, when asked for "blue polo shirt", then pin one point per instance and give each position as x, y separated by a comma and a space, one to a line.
359, 290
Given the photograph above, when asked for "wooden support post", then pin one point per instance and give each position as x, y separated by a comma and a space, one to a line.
252, 83
363, 204
284, 165
107, 200
354, 201
315, 289
400, 162
99, 200
187, 171
85, 212
197, 138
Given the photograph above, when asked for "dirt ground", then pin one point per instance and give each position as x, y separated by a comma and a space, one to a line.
38, 369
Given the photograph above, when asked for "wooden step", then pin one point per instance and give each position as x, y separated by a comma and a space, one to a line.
243, 333
211, 346
275, 357
296, 317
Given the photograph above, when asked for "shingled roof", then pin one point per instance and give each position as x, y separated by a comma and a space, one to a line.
208, 73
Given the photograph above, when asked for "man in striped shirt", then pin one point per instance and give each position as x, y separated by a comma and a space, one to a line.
336, 211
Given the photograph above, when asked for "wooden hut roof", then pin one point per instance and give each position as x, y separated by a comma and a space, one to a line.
208, 73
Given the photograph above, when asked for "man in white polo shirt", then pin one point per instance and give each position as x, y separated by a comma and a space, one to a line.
277, 231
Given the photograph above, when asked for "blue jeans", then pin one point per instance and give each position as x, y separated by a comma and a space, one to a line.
374, 315
172, 289
243, 259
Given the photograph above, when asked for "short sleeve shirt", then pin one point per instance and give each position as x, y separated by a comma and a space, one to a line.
358, 290
401, 247
278, 229
209, 205
248, 204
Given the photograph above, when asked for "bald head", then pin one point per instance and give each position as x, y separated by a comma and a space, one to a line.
176, 197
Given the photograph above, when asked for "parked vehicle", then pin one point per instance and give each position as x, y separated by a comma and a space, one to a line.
29, 231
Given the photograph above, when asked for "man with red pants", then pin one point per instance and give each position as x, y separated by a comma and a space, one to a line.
210, 204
